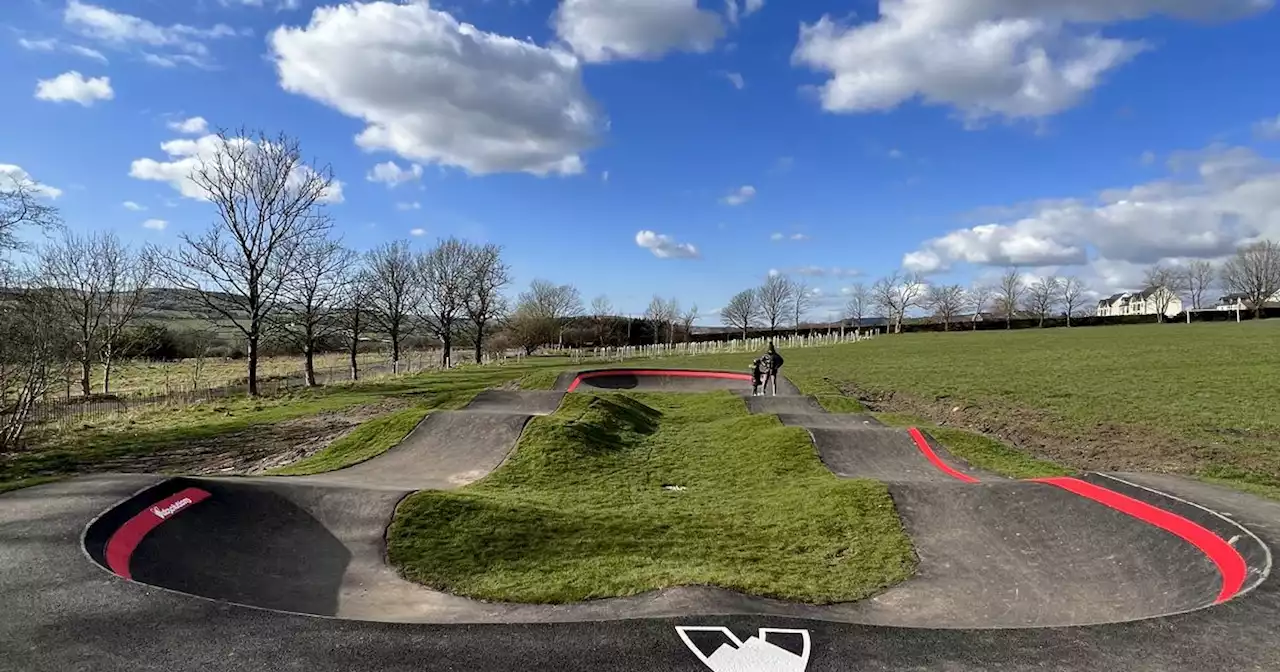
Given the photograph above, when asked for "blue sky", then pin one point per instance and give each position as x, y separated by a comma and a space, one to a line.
951, 137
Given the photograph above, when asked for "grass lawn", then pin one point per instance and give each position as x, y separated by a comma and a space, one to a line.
161, 438
580, 511
1200, 399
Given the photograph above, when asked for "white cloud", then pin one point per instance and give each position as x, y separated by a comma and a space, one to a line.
665, 247
434, 90
12, 176
777, 237
799, 236
73, 86
1004, 58
87, 52
172, 60
796, 237
820, 272
393, 175
192, 126
123, 31
1268, 129
414, 205
48, 44
186, 155
896, 154
155, 224
751, 7
740, 195
736, 79
1231, 198
278, 5
130, 205
604, 176
620, 30
417, 232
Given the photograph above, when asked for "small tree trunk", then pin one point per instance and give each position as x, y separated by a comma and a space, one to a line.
107, 358
395, 352
86, 367
448, 346
309, 367
355, 366
253, 365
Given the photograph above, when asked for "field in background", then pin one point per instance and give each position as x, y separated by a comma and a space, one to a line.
1199, 399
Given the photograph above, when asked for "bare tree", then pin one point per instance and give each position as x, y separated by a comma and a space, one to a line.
671, 312
33, 347
393, 292
1197, 279
1071, 293
20, 207
485, 302
1164, 284
858, 305
687, 319
801, 302
896, 294
75, 279
270, 205
1042, 297
946, 302
775, 297
976, 299
354, 313
1009, 294
656, 314
601, 313
444, 274
313, 297
742, 311
543, 311
1254, 271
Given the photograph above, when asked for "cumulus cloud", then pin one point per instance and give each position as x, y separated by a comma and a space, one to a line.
155, 224
125, 31
185, 155
12, 176
393, 175
417, 233
1268, 129
130, 205
1226, 196
665, 247
740, 195
620, 30
434, 90
75, 87
192, 126
1015, 59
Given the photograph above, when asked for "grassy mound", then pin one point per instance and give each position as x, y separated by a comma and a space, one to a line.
623, 493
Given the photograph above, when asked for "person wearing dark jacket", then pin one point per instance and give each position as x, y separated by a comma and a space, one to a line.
772, 364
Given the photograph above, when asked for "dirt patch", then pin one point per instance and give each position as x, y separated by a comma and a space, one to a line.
256, 449
1103, 447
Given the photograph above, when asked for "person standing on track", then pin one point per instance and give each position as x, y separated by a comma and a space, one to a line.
772, 363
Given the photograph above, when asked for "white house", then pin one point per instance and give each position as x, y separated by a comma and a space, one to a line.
1241, 302
1146, 302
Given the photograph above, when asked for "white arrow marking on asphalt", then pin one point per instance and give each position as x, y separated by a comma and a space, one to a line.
756, 654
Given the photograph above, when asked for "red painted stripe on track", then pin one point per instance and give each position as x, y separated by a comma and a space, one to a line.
124, 541
1228, 560
923, 445
669, 373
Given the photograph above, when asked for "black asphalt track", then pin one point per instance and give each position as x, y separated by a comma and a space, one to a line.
63, 612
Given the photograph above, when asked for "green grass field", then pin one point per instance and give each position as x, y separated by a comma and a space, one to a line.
1200, 399
177, 438
580, 511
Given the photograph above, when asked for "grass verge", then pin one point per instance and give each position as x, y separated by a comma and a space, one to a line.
583, 510
18, 484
